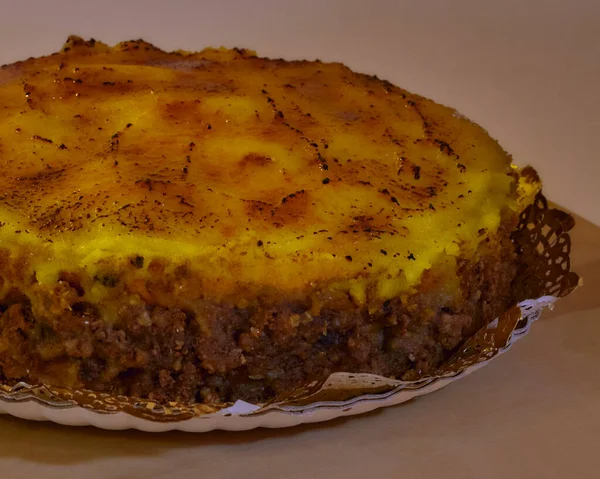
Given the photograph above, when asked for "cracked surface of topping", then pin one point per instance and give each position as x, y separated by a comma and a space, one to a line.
253, 171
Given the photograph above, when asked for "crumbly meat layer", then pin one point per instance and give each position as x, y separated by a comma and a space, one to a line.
222, 352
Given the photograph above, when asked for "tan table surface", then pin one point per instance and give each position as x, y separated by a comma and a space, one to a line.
533, 412
529, 71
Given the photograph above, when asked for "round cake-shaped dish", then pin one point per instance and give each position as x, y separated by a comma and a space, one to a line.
216, 226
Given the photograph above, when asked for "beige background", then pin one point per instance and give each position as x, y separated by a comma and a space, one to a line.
529, 71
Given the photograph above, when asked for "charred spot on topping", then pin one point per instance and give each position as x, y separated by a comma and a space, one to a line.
255, 159
77, 41
43, 177
293, 209
325, 181
431, 207
388, 86
41, 138
146, 182
383, 252
411, 257
256, 208
416, 172
394, 200
292, 195
445, 148
348, 257
259, 243
137, 261
107, 279
151, 184
184, 201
